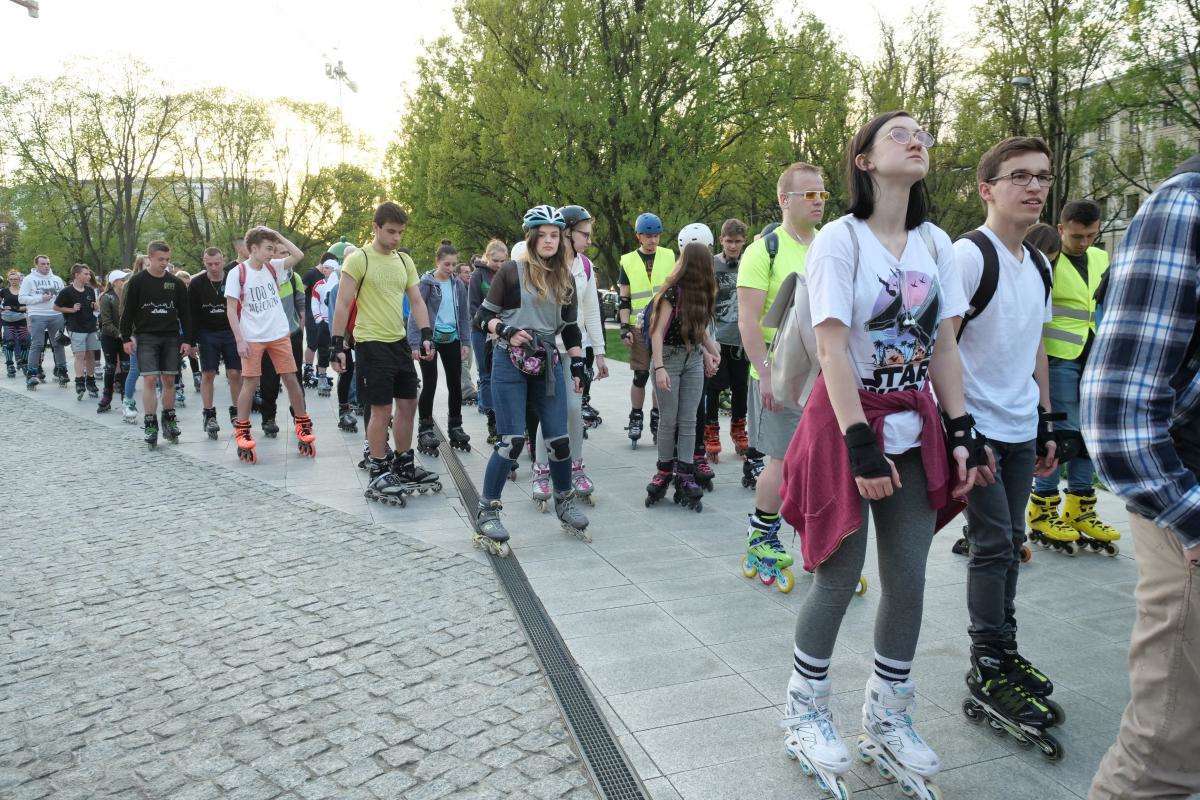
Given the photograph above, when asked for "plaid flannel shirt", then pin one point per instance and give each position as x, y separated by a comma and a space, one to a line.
1137, 386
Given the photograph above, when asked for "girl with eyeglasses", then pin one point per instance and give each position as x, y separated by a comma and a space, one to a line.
884, 300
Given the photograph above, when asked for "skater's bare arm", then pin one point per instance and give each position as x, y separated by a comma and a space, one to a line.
419, 312
235, 325
945, 371
750, 311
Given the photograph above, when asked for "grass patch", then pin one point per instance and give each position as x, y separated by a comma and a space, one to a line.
614, 348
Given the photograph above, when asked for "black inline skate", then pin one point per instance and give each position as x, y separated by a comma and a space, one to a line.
660, 482
308, 381
386, 485
591, 417
688, 493
92, 389
60, 374
365, 461
634, 428
150, 429
170, 425
1018, 669
752, 467
324, 386
654, 424
492, 436
1006, 704
490, 533
211, 426
416, 477
80, 389
346, 419
459, 439
573, 521
702, 471
427, 438
269, 428
12, 371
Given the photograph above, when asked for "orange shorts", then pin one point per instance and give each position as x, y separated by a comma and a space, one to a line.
280, 352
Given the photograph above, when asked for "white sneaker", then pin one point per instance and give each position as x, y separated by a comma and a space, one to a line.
808, 721
887, 718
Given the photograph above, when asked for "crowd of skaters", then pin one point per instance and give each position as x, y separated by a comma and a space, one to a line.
964, 375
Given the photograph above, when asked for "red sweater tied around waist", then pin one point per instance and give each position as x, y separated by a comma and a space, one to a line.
820, 498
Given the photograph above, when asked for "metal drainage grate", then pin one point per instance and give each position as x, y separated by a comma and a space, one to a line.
604, 758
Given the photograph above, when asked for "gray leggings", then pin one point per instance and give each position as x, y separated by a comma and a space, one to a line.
904, 526
39, 325
677, 406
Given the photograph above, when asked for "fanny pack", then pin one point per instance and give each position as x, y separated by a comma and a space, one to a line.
537, 359
443, 335
12, 317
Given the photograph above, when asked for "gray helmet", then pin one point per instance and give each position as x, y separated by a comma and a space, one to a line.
573, 215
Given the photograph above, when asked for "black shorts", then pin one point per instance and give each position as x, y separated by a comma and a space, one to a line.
218, 346
157, 354
386, 371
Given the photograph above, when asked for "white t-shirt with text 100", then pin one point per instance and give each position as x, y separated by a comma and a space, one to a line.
263, 318
999, 347
893, 310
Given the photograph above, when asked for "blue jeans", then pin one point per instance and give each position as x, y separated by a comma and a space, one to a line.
483, 397
1064, 397
131, 380
513, 391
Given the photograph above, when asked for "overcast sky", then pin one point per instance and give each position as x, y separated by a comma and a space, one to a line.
277, 48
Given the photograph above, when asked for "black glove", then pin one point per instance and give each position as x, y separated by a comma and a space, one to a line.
626, 329
1070, 445
506, 332
1045, 429
960, 432
337, 345
426, 339
579, 368
866, 459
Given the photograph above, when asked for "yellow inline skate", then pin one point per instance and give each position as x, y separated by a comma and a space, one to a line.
1047, 528
1079, 513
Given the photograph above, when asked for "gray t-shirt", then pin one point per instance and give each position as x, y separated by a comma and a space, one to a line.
726, 317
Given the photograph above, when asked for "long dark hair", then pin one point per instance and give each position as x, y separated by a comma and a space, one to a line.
862, 186
697, 294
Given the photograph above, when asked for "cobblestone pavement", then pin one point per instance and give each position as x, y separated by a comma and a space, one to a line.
173, 629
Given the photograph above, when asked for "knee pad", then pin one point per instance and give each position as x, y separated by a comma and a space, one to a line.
560, 448
510, 447
641, 377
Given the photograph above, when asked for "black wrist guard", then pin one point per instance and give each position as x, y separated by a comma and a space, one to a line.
626, 329
579, 368
506, 332
426, 336
1045, 428
960, 432
338, 344
866, 458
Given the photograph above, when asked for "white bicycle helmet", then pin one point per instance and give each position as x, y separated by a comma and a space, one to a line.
695, 232
542, 215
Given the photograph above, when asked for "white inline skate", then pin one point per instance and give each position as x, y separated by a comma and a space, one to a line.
812, 739
891, 743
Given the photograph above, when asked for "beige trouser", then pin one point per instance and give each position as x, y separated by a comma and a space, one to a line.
1157, 752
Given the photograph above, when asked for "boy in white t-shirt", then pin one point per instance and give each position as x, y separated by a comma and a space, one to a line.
1006, 385
260, 327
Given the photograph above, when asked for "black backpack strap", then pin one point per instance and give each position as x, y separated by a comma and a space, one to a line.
987, 281
1043, 267
772, 242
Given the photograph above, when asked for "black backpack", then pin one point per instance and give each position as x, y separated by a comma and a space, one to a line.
991, 274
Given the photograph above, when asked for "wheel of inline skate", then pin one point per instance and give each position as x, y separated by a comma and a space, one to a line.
861, 591
1060, 713
933, 791
996, 726
1111, 550
884, 772
1070, 549
805, 768
786, 580
749, 570
543, 506
843, 791
907, 789
1052, 749
766, 578
971, 710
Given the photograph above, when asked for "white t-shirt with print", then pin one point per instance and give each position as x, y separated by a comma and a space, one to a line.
893, 310
999, 347
263, 318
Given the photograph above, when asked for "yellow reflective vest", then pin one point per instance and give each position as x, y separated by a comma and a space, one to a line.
642, 286
1074, 305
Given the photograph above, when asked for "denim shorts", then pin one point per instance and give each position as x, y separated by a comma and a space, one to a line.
157, 353
85, 341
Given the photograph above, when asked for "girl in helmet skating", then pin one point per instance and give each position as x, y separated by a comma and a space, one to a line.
532, 301
577, 237
682, 352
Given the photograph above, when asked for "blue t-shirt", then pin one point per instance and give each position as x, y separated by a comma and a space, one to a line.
446, 323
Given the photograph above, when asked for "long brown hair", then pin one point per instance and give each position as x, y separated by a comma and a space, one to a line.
697, 294
549, 277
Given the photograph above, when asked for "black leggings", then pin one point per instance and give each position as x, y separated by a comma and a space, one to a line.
115, 363
451, 355
269, 384
734, 375
322, 348
346, 379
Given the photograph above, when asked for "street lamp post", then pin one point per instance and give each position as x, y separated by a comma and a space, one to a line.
1023, 84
